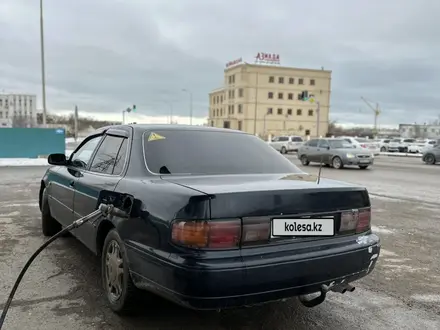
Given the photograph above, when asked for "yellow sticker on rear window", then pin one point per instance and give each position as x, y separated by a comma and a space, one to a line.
155, 137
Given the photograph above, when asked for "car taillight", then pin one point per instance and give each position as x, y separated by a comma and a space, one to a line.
363, 145
359, 220
224, 234
364, 221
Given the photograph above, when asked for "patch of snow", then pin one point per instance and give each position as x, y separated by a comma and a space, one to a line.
27, 161
381, 230
72, 140
388, 253
431, 298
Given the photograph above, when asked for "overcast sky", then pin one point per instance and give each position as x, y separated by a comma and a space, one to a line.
107, 54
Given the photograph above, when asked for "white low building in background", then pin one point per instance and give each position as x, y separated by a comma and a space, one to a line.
18, 110
419, 131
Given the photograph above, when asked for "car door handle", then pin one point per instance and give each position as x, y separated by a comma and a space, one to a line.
72, 183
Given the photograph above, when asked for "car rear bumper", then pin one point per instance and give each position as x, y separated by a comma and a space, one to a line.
253, 279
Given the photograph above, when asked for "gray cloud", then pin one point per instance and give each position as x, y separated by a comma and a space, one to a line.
106, 55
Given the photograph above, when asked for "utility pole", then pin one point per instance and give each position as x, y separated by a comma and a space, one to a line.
76, 123
43, 75
190, 104
376, 111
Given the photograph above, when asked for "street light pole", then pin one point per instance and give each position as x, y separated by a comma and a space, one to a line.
43, 76
190, 104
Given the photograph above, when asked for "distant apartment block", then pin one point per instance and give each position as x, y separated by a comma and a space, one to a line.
419, 131
18, 110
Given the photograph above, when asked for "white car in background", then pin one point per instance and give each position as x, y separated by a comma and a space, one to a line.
286, 143
383, 144
363, 143
421, 145
400, 144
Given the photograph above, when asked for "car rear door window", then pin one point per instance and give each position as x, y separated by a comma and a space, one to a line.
121, 158
211, 152
323, 144
105, 158
312, 143
81, 157
297, 139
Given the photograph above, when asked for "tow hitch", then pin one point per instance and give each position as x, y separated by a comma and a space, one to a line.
341, 288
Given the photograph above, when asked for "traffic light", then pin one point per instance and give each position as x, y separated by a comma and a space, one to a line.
134, 107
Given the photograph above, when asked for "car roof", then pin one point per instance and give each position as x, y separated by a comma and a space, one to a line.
139, 128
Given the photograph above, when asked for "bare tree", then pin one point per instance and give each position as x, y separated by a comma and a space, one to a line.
21, 121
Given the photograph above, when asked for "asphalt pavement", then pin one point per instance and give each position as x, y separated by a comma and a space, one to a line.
62, 288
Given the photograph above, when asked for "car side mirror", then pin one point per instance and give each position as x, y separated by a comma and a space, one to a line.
57, 159
328, 147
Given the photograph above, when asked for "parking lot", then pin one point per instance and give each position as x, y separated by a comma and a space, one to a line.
62, 288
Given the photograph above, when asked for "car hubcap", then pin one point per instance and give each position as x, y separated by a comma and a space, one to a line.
114, 271
304, 160
429, 159
336, 163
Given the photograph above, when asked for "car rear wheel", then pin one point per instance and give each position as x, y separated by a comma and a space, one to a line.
363, 167
49, 225
337, 163
304, 160
121, 293
430, 159
283, 150
383, 149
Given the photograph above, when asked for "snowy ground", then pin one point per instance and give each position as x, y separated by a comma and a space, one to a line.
62, 289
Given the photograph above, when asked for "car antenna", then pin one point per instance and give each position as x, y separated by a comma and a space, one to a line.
319, 172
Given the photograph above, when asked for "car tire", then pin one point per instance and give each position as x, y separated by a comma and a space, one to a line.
304, 160
429, 159
122, 295
363, 167
283, 150
49, 225
383, 149
337, 163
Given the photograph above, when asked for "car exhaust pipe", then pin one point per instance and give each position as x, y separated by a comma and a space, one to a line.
343, 288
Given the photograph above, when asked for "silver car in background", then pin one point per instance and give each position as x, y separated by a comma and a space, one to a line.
286, 143
334, 152
431, 156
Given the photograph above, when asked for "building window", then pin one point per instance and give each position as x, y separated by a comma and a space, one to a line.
240, 92
271, 79
1, 114
280, 96
299, 96
269, 111
240, 125
289, 112
299, 112
310, 112
212, 123
280, 111
281, 80
300, 81
233, 93
307, 132
291, 81
226, 124
312, 82
240, 108
290, 96
221, 98
270, 95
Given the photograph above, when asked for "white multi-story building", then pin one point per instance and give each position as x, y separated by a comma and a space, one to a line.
18, 110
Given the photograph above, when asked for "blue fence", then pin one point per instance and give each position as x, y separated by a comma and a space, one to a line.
31, 142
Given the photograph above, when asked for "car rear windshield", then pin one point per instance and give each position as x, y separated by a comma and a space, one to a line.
201, 152
361, 140
395, 140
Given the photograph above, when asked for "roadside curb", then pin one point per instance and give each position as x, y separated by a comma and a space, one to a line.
400, 154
